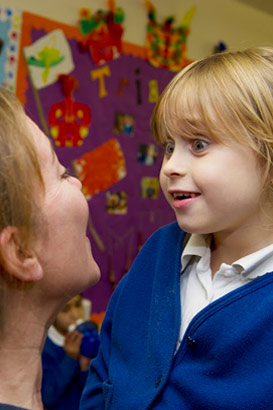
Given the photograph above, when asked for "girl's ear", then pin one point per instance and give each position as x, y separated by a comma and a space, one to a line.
20, 263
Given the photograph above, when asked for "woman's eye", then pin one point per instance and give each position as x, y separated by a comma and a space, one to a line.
199, 145
66, 174
169, 148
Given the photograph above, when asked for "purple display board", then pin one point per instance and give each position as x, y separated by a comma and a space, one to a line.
126, 213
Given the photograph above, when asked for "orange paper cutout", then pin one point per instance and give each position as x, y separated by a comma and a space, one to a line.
101, 168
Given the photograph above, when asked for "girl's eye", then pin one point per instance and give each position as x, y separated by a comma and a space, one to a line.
66, 174
169, 148
199, 145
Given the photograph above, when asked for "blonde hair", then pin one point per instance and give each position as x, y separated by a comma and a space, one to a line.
224, 95
19, 168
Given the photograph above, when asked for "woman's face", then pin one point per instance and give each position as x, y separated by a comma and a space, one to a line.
64, 249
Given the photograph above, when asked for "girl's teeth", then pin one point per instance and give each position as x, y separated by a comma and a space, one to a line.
183, 196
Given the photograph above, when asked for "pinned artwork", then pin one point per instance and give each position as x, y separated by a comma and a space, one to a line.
116, 202
149, 187
147, 154
153, 91
138, 86
91, 168
124, 124
102, 32
100, 74
166, 45
116, 242
220, 47
10, 35
98, 120
47, 58
69, 120
122, 84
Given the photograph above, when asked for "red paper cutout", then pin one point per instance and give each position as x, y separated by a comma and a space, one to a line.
69, 120
102, 33
101, 168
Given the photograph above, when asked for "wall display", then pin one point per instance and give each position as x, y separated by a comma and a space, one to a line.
48, 57
10, 35
102, 32
220, 47
166, 43
98, 118
69, 120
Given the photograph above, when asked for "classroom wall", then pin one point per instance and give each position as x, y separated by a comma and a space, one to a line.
238, 25
234, 23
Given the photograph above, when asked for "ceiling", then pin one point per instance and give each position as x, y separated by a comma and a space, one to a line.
263, 5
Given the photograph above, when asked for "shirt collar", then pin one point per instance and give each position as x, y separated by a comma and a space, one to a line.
197, 245
55, 336
257, 263
250, 267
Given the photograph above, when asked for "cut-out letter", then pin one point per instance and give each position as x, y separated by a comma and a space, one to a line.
153, 91
99, 74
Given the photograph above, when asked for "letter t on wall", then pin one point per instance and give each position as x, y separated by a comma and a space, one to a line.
99, 74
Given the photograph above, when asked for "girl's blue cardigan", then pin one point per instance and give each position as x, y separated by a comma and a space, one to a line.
225, 361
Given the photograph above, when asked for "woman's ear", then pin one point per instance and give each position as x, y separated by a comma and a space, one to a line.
20, 263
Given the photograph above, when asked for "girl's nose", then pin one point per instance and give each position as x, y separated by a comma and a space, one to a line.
175, 165
74, 315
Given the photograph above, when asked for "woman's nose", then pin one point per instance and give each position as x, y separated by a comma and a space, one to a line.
76, 182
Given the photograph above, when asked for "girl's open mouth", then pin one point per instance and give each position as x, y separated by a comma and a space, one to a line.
184, 199
181, 196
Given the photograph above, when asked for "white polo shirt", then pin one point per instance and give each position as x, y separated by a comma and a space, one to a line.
198, 289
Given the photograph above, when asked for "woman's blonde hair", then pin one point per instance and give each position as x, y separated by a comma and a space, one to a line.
224, 95
19, 168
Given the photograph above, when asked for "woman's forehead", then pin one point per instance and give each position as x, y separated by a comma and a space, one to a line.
43, 144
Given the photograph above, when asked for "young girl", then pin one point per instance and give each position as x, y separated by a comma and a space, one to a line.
190, 326
64, 368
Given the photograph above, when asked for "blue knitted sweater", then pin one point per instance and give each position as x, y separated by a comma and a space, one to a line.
62, 382
225, 360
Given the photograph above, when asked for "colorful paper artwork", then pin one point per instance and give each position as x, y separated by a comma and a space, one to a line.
115, 157
149, 187
147, 154
153, 91
100, 74
47, 58
10, 34
220, 47
101, 168
124, 124
69, 120
102, 32
124, 82
116, 202
166, 45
